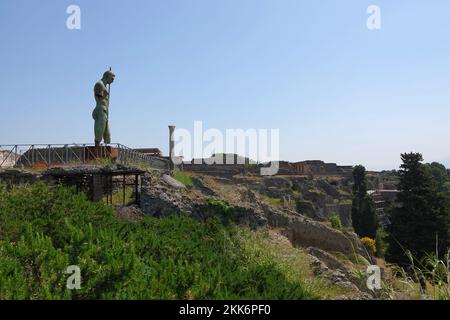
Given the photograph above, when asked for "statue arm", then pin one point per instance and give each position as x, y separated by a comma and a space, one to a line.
100, 91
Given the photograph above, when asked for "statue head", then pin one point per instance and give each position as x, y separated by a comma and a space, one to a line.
108, 77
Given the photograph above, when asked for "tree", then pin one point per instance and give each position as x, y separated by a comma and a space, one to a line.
419, 214
440, 174
363, 208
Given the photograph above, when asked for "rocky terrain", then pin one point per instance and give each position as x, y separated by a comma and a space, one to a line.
296, 208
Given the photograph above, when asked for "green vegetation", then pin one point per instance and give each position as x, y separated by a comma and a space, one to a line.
344, 192
295, 193
420, 216
279, 202
369, 244
117, 196
43, 231
442, 177
336, 221
427, 278
380, 243
183, 178
106, 161
223, 210
316, 193
276, 202
294, 262
352, 260
363, 209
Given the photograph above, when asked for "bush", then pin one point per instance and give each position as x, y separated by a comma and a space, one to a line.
336, 221
380, 243
43, 231
223, 210
369, 244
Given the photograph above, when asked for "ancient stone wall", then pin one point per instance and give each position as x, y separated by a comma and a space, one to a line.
11, 177
160, 198
221, 169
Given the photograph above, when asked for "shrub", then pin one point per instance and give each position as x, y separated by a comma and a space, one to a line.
336, 221
43, 231
369, 244
223, 210
380, 243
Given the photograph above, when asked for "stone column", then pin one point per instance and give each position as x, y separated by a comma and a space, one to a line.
171, 146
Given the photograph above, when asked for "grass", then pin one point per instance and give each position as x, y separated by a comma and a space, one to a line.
106, 161
431, 271
294, 262
343, 192
316, 191
43, 231
184, 178
296, 193
278, 202
401, 284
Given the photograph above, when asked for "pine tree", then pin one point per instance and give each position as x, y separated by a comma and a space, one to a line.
363, 209
419, 214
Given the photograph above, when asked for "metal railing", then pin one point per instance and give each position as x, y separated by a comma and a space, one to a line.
130, 156
47, 155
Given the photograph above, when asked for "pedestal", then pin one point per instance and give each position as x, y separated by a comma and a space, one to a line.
102, 152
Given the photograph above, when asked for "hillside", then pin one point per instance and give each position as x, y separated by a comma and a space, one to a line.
45, 230
194, 236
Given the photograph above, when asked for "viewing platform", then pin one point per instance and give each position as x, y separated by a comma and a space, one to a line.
56, 155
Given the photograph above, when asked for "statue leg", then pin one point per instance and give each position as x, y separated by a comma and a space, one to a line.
99, 128
106, 134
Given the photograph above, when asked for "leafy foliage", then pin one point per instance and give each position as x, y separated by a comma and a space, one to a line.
43, 231
369, 244
336, 221
442, 178
380, 243
420, 214
363, 209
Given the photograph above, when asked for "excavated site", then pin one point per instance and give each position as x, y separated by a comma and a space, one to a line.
293, 209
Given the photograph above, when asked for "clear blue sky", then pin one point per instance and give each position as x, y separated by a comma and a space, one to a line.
336, 90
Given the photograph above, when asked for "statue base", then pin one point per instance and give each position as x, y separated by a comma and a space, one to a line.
101, 152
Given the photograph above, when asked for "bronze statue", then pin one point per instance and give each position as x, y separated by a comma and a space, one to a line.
101, 111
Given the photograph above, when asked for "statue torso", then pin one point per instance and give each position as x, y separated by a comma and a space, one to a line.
101, 95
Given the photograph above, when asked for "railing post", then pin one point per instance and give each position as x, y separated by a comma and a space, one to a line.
124, 191
1, 163
49, 155
136, 190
